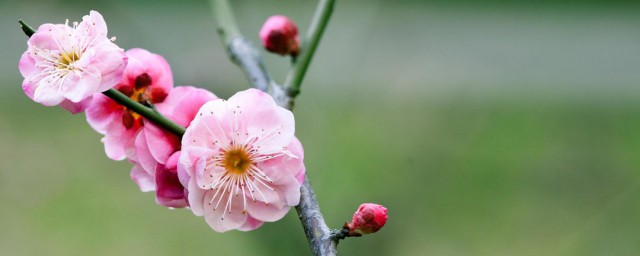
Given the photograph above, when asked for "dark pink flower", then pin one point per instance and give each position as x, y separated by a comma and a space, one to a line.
280, 35
147, 79
67, 65
369, 218
244, 165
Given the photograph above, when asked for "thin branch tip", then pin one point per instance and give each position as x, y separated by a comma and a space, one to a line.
28, 30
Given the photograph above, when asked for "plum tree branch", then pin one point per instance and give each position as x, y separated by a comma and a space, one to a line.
321, 239
240, 50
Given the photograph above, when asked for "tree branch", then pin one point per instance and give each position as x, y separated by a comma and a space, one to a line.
321, 239
240, 50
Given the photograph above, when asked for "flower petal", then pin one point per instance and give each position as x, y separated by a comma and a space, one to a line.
111, 61
160, 143
117, 140
144, 179
47, 91
53, 37
266, 212
206, 130
102, 112
251, 224
183, 103
143, 153
26, 64
76, 107
152, 64
168, 186
196, 198
221, 220
79, 85
93, 27
273, 125
30, 83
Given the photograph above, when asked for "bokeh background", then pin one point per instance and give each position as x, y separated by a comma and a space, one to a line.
486, 128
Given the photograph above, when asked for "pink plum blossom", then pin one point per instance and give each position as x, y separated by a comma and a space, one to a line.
66, 65
156, 152
280, 35
147, 79
243, 164
369, 218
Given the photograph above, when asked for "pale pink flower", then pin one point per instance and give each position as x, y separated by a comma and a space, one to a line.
369, 218
243, 163
147, 79
66, 65
279, 35
156, 152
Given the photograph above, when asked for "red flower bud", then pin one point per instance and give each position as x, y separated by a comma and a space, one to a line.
369, 218
280, 35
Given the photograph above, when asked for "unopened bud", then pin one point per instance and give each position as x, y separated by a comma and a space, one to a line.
369, 218
280, 35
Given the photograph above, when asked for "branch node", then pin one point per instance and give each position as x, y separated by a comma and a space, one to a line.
293, 92
339, 234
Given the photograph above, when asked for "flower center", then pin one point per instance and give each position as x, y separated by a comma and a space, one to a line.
141, 92
68, 58
236, 161
138, 92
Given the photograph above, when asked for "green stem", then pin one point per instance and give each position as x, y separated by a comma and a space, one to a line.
150, 113
309, 45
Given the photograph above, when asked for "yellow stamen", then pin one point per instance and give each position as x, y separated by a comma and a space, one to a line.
236, 161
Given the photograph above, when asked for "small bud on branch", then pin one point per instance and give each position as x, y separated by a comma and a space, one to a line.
279, 35
369, 218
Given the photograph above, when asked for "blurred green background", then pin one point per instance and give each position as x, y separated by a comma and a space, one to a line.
485, 127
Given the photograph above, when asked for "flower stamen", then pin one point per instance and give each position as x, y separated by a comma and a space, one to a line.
234, 170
